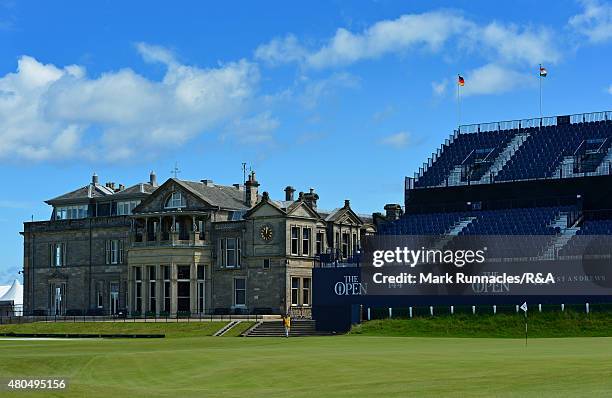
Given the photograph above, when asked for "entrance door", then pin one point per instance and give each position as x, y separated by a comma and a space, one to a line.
57, 299
114, 298
183, 296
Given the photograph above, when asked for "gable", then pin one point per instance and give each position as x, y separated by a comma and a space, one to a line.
302, 210
347, 216
265, 209
157, 200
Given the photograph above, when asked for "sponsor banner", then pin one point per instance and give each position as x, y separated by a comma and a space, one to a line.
484, 265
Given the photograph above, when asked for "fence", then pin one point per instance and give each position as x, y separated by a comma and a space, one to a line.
370, 313
129, 318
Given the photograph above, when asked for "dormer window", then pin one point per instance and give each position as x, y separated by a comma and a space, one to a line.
175, 201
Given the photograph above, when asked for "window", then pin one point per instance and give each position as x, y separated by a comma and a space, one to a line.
100, 296
175, 201
240, 292
200, 275
230, 252
295, 240
114, 251
183, 272
71, 212
266, 263
138, 289
167, 293
300, 291
58, 254
306, 291
306, 241
319, 242
295, 291
355, 243
345, 244
126, 208
152, 289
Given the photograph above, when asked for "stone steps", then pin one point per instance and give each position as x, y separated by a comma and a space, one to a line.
299, 328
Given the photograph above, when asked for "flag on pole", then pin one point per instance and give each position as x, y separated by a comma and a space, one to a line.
543, 71
524, 307
460, 80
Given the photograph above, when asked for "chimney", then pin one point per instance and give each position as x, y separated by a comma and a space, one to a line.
121, 187
251, 190
95, 179
239, 187
208, 183
311, 198
347, 203
153, 179
289, 191
110, 185
393, 211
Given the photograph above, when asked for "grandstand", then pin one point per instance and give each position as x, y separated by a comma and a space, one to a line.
546, 176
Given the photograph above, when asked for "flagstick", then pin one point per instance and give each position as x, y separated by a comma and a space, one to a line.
525, 328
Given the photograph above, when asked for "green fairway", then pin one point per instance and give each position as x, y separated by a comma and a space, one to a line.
170, 329
338, 366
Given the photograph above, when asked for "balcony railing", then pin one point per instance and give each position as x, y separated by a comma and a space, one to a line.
168, 239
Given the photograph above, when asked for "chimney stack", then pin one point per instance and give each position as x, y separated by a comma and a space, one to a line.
251, 188
153, 179
393, 211
311, 198
289, 191
347, 203
110, 185
95, 179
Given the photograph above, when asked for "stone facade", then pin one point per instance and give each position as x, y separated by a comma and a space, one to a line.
185, 247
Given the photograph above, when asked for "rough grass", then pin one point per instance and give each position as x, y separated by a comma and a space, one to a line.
237, 330
545, 324
338, 366
170, 329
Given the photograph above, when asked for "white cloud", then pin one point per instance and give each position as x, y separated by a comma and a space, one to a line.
430, 31
595, 21
281, 50
315, 90
398, 140
253, 129
494, 79
49, 112
439, 88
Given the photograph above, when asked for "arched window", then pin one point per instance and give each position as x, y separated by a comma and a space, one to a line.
175, 200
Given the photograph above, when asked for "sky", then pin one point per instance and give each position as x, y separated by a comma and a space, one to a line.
346, 97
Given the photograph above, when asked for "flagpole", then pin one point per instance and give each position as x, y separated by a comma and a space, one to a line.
540, 77
458, 104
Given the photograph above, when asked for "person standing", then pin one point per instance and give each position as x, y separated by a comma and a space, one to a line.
287, 324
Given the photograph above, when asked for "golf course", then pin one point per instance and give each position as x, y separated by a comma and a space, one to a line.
191, 363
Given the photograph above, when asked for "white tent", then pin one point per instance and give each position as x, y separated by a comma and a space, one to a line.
4, 289
14, 294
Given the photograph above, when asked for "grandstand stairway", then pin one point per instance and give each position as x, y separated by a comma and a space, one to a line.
561, 239
299, 328
504, 156
605, 163
460, 226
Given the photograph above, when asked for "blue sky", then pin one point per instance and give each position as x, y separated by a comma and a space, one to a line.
346, 97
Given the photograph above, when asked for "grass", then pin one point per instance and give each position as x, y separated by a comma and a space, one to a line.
335, 366
170, 329
551, 324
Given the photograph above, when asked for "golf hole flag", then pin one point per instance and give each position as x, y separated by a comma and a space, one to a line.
524, 307
460, 80
543, 71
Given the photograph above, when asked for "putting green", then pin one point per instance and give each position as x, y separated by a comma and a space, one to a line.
338, 366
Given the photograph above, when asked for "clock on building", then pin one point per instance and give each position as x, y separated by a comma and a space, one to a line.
266, 232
